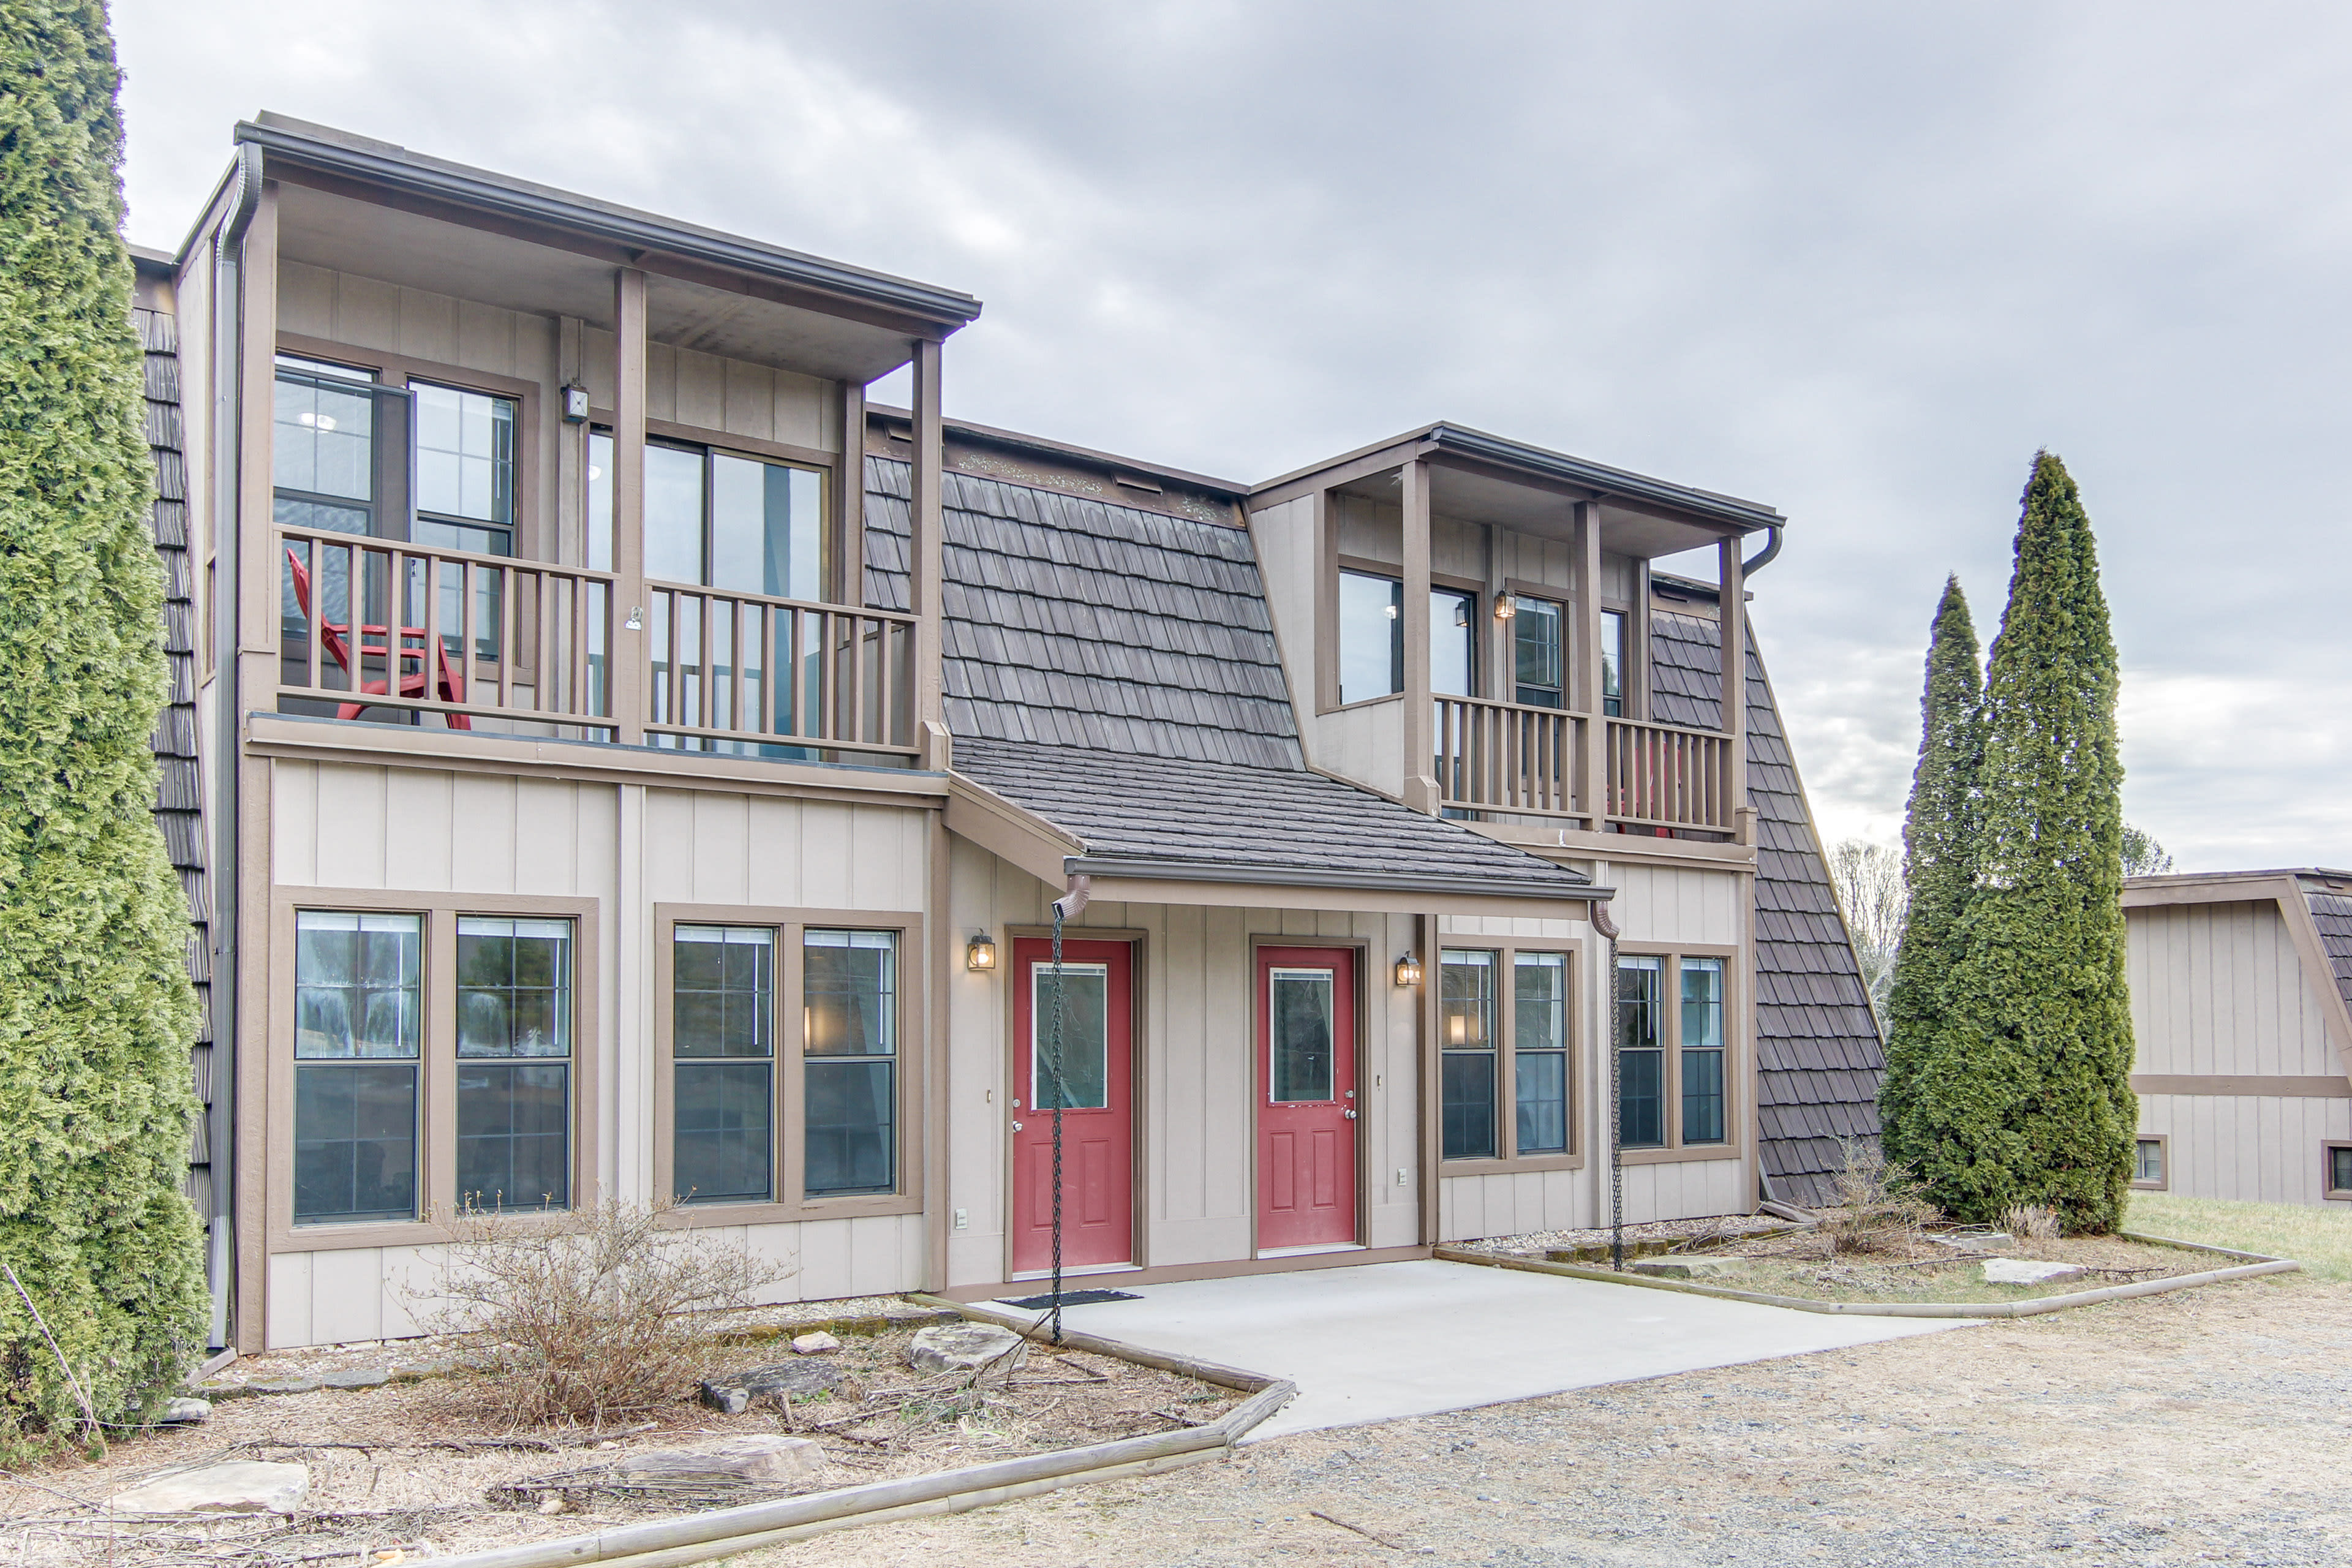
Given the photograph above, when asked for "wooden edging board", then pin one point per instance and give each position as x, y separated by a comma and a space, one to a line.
2029, 1309
723, 1532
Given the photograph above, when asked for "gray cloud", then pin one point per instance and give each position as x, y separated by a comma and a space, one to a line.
1858, 261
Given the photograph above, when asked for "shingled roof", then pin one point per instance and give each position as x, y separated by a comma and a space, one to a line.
2332, 913
1820, 1054
1114, 670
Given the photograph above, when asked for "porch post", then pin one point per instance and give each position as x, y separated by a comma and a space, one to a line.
631, 613
1420, 741
1592, 759
931, 707
1732, 617
850, 576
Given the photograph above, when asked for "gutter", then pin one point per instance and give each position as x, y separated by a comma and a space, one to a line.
402, 169
228, 357
1745, 514
1292, 877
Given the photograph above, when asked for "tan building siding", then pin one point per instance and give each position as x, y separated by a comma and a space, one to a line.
2257, 1149
2220, 988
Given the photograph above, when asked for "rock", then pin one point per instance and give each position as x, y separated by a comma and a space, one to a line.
2019, 1271
816, 1343
244, 1486
1679, 1268
284, 1385
185, 1412
358, 1377
965, 1347
739, 1460
735, 1392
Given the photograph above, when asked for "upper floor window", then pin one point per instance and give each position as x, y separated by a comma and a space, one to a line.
1371, 637
1613, 663
351, 454
720, 520
465, 470
1452, 642
1537, 670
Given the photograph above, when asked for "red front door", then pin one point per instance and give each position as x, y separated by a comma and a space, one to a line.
1306, 1096
1096, 1090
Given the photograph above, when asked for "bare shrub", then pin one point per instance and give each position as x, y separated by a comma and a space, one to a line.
2030, 1222
589, 1314
1880, 1207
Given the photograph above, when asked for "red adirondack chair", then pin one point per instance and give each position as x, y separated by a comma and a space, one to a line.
336, 636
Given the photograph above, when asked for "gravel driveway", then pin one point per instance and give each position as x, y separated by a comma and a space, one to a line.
2209, 1425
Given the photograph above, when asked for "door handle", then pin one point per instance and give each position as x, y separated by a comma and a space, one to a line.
1016, 1127
1352, 1114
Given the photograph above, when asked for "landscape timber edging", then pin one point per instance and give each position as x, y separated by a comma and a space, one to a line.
723, 1532
2033, 1308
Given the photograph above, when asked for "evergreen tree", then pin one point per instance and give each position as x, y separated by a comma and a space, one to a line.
2024, 1093
1939, 844
96, 1011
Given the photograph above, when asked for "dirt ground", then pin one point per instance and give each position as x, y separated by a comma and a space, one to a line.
2206, 1426
414, 1463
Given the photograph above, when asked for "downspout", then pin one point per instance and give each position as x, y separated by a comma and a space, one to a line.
228, 346
1763, 557
1607, 926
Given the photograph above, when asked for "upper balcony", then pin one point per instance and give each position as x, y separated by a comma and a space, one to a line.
508, 459
1470, 618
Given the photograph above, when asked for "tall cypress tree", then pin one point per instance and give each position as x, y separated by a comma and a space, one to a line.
96, 1011
2024, 1094
1938, 864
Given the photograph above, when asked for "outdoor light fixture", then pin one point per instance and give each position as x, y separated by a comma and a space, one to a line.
575, 403
980, 954
1408, 970
1507, 605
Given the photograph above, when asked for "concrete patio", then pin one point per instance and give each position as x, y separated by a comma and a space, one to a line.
1390, 1340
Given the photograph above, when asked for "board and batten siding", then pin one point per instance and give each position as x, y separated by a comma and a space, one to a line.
629, 847
2220, 990
1196, 1049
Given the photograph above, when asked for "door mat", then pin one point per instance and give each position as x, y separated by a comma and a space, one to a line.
1069, 1299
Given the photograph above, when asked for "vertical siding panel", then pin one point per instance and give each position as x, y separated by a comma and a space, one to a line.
290, 1298
351, 826
773, 874
721, 849
880, 878
485, 338
294, 837
428, 326
661, 382
669, 846
1182, 1081
551, 844
367, 312
482, 837
701, 391
306, 299
1230, 1057
749, 391
825, 869
418, 827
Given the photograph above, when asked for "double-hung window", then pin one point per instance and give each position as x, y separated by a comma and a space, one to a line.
395, 1011
1538, 670
1505, 1059
1672, 1050
784, 1074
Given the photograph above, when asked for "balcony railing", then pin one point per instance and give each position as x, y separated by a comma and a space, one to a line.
1661, 776
1502, 756
385, 629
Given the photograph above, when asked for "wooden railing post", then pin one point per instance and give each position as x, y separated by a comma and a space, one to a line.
1592, 766
929, 556
1732, 615
1420, 760
627, 657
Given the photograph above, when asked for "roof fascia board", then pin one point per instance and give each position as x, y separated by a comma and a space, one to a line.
638, 235
1611, 483
1380, 458
2223, 887
1338, 882
1013, 835
1104, 888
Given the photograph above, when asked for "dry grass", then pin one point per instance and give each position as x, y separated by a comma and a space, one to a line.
1880, 1207
2031, 1222
2319, 1239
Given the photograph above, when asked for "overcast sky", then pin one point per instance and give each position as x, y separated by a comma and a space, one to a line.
1855, 260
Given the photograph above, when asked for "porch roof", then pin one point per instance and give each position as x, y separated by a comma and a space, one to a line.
1177, 819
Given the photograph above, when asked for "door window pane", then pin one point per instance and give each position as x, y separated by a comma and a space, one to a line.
672, 514
849, 1013
1466, 1054
1539, 1051
1371, 637
1702, 1048
1535, 652
1298, 1024
600, 500
1452, 642
722, 1012
1613, 663
514, 1001
1641, 1060
766, 528
1082, 1080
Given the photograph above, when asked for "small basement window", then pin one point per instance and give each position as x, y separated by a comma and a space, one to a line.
2148, 1164
2339, 1170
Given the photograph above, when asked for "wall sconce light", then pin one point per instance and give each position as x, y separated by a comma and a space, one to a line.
1507, 605
980, 954
1408, 970
575, 403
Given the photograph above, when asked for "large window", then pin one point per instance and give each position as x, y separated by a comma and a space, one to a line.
514, 1062
1453, 643
720, 520
353, 453
1672, 1060
1505, 1073
1538, 671
742, 1131
1371, 637
358, 1036
465, 470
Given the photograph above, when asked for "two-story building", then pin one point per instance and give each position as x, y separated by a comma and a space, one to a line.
608, 756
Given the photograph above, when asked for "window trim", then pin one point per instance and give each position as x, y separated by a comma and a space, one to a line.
268, 1162
2164, 1156
791, 1130
1738, 1112
1506, 951
1506, 673
2328, 1148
